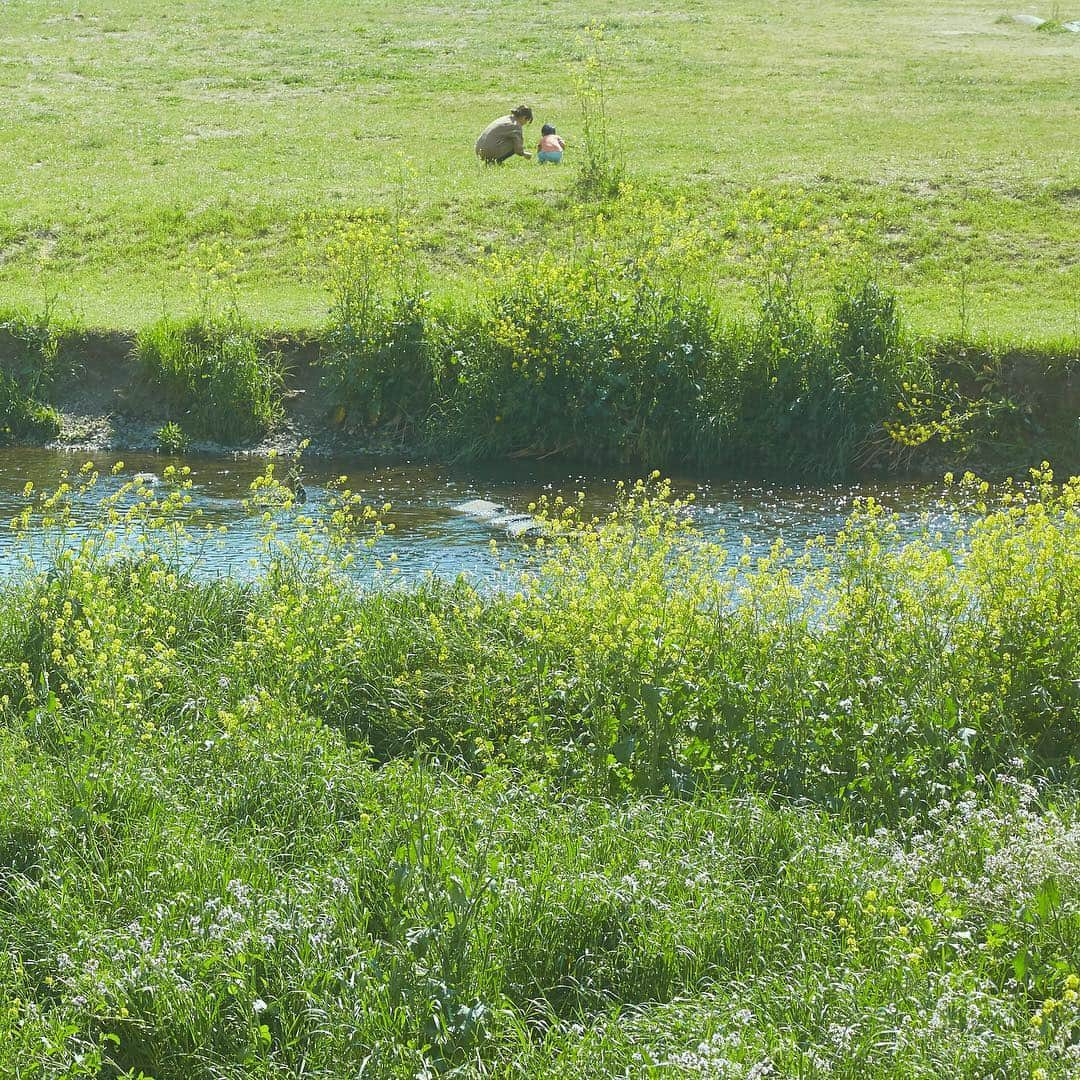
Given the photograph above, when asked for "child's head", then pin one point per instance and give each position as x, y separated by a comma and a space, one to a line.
548, 129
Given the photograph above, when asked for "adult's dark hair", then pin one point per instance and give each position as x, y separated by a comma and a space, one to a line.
522, 112
548, 129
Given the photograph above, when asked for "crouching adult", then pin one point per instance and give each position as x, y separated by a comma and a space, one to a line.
505, 138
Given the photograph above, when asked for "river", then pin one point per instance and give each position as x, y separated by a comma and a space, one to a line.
431, 534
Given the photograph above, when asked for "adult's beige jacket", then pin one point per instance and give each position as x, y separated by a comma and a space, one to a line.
501, 137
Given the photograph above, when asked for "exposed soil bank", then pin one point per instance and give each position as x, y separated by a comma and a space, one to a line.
105, 401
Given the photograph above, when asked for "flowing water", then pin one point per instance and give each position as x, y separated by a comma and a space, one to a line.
431, 534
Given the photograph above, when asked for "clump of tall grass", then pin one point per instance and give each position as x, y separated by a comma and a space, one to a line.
28, 356
215, 375
22, 416
216, 378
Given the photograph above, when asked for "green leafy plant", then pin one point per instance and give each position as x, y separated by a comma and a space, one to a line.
171, 438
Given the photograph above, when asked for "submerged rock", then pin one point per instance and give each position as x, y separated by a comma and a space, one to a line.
294, 483
500, 517
480, 508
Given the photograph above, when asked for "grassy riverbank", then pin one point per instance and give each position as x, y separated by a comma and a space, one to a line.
643, 814
605, 355
930, 139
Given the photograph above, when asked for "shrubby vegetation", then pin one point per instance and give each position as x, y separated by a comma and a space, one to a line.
377, 349
618, 349
641, 812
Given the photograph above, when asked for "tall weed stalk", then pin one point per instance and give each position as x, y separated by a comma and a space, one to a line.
602, 169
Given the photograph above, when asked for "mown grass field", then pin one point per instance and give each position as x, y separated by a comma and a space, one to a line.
133, 133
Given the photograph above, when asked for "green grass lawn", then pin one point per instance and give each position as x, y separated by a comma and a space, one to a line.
134, 132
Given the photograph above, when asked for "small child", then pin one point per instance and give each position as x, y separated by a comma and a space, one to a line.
551, 147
